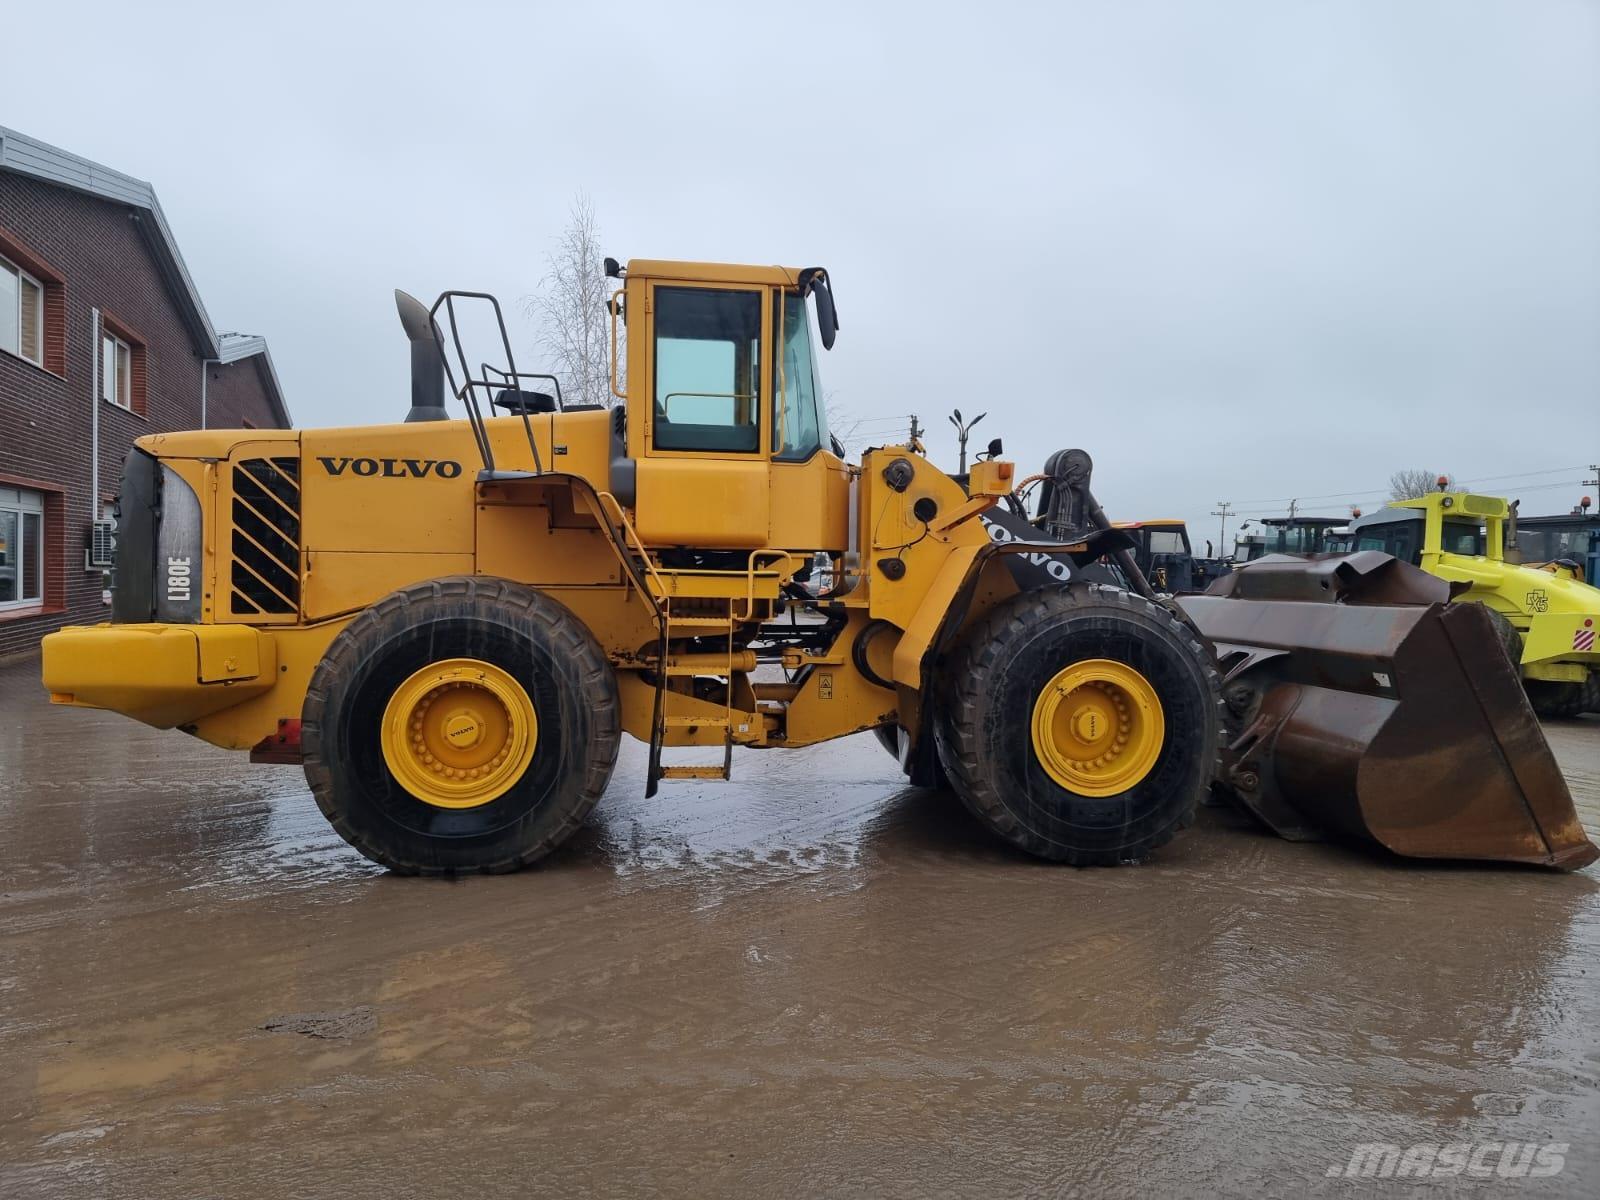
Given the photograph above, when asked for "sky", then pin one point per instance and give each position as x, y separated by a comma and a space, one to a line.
1239, 250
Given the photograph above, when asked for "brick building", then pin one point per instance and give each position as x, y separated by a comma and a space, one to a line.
103, 339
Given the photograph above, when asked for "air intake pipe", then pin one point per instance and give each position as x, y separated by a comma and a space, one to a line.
427, 360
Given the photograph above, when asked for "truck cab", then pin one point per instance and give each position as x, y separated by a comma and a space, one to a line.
1565, 538
1287, 535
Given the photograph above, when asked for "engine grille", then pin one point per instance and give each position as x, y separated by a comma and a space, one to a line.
266, 536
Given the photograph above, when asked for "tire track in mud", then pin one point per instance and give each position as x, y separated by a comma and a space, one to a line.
812, 979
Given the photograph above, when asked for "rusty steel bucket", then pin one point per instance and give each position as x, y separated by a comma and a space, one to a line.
1361, 703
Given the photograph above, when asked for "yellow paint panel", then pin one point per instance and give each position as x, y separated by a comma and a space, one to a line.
702, 502
233, 652
389, 486
341, 581
813, 512
154, 673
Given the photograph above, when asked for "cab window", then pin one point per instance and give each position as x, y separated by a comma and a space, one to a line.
1166, 541
1398, 540
1297, 539
707, 370
799, 426
1461, 537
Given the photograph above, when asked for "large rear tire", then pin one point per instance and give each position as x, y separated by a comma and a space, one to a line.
1591, 694
1556, 701
1083, 724
461, 725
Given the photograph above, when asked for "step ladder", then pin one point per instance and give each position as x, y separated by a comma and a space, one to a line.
673, 626
690, 604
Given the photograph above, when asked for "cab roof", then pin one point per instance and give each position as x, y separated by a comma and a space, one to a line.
1560, 519
704, 272
1459, 505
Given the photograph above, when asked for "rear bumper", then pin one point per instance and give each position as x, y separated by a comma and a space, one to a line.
163, 675
1560, 647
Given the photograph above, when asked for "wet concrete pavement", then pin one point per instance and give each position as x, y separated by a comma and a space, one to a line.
810, 981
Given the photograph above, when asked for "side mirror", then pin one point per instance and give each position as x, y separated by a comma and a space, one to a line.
814, 281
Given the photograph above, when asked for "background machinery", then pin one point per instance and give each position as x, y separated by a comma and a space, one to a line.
1569, 542
450, 623
1163, 552
1287, 535
1547, 619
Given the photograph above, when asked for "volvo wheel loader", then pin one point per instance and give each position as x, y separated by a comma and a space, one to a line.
449, 623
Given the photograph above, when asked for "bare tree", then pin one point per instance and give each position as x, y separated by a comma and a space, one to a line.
1416, 481
574, 326
842, 424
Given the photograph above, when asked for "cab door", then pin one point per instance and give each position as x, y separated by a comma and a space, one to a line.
810, 484
703, 475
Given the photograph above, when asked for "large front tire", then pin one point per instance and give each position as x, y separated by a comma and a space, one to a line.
461, 725
1083, 724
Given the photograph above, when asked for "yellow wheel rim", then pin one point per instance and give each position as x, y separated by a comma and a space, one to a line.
459, 733
1098, 727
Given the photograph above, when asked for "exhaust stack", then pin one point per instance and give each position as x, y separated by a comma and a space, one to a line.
427, 360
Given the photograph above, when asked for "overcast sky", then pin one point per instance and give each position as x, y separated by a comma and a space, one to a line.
1237, 249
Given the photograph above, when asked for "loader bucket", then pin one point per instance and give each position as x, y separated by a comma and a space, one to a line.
1362, 704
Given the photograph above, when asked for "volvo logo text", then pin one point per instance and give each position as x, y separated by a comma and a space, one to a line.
392, 468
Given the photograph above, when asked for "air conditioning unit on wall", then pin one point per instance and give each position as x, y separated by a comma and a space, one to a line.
102, 548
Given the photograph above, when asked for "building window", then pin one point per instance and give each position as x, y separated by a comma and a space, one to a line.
21, 313
116, 370
21, 548
123, 368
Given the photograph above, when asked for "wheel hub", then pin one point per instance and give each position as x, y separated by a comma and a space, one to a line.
459, 733
463, 729
1098, 727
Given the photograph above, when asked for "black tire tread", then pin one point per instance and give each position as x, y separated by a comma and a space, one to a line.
959, 718
410, 604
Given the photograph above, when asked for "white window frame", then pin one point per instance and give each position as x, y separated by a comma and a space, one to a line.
23, 503
37, 357
109, 391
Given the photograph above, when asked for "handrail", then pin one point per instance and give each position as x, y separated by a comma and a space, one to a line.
468, 389
750, 580
638, 543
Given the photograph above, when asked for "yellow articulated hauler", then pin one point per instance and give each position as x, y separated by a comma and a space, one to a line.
449, 623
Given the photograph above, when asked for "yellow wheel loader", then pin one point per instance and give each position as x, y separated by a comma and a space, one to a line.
1548, 618
449, 624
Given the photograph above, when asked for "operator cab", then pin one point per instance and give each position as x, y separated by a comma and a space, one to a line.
1287, 535
725, 449
1565, 538
1162, 550
1400, 532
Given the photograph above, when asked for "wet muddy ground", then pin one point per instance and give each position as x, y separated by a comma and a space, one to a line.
810, 981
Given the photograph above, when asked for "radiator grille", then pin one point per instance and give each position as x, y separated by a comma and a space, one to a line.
266, 536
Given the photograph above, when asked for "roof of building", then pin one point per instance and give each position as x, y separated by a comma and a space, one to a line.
23, 155
236, 347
